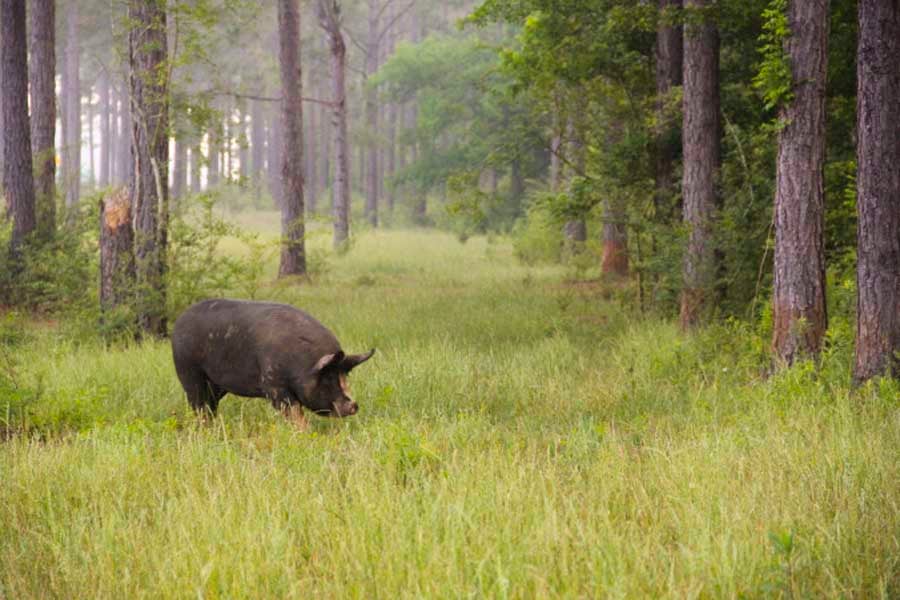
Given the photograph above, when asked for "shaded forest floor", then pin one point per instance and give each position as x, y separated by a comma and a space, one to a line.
518, 437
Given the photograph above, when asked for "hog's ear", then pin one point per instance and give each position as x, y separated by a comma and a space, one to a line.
351, 361
327, 361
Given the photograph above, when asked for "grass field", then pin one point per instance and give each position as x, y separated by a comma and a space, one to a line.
519, 437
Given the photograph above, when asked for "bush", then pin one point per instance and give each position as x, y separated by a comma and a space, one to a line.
537, 237
50, 276
197, 267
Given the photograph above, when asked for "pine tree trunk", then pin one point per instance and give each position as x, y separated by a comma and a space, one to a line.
124, 157
212, 157
257, 146
701, 146
371, 116
293, 254
328, 150
327, 13
117, 269
89, 121
149, 184
42, 74
391, 159
669, 53
196, 168
555, 163
799, 312
179, 169
324, 135
225, 167
275, 144
72, 121
104, 131
574, 231
878, 191
18, 178
116, 135
244, 141
311, 178
615, 239
7, 208
516, 179
361, 161
420, 206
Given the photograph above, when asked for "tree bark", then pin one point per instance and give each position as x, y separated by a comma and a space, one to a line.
371, 115
148, 189
72, 117
89, 121
420, 205
669, 53
615, 239
799, 312
257, 145
391, 155
329, 20
878, 191
212, 156
293, 252
105, 140
361, 161
196, 168
179, 169
6, 207
555, 163
574, 231
701, 145
225, 151
275, 145
18, 178
328, 149
244, 145
42, 74
117, 269
124, 157
310, 172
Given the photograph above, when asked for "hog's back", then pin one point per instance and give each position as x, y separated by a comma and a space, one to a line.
245, 347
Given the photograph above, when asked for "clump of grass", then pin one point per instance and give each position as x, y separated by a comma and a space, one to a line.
517, 439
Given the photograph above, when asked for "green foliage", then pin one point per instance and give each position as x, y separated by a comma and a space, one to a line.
51, 275
537, 238
774, 79
468, 123
197, 266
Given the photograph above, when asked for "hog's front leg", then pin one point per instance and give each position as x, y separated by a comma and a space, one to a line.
289, 406
293, 412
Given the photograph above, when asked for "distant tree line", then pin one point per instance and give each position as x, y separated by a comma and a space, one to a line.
724, 151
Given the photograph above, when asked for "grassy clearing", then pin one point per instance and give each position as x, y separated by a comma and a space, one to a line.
519, 437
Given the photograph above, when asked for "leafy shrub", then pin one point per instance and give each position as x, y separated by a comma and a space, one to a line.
537, 237
51, 275
197, 266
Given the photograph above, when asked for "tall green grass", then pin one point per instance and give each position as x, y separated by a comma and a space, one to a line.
519, 436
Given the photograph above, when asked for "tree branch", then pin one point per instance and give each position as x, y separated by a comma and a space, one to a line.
241, 96
355, 41
396, 18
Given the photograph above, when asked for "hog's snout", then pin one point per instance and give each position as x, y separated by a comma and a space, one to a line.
346, 409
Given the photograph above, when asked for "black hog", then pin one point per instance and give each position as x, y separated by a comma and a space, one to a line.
262, 350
